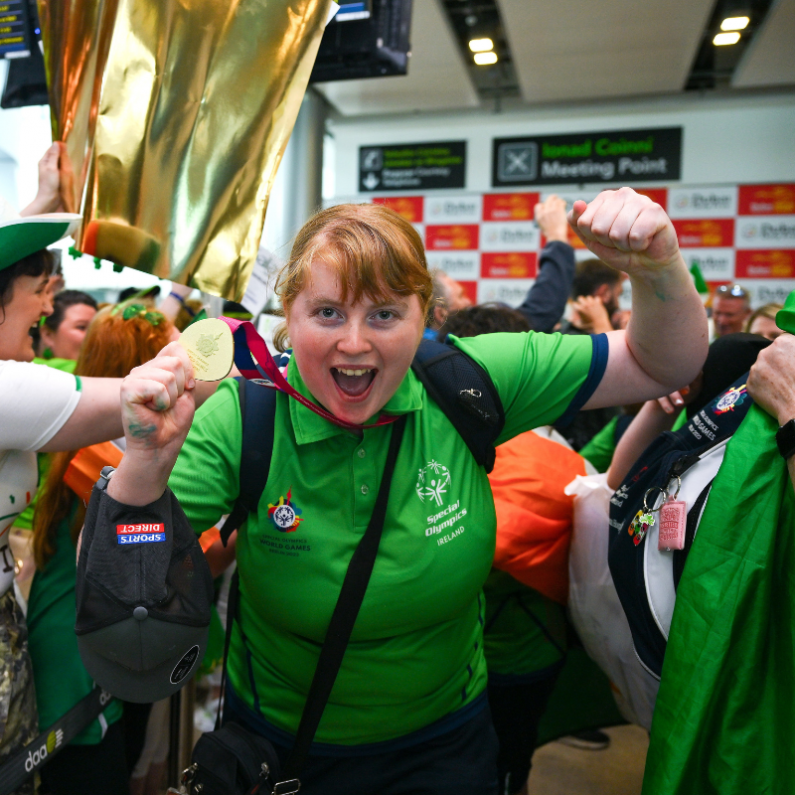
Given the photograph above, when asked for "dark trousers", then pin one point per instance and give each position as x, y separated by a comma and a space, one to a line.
89, 769
516, 711
459, 762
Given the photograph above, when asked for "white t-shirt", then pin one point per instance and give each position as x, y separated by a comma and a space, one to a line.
35, 403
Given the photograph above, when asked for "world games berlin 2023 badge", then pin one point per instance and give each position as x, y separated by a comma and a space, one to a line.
734, 397
285, 515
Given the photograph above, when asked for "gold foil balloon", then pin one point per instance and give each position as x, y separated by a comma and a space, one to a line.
76, 35
194, 107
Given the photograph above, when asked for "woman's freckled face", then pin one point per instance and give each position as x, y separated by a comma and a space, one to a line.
353, 357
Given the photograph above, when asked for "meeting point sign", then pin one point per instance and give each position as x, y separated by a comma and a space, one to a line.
602, 157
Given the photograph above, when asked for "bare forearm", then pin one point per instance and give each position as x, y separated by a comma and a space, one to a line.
650, 421
140, 480
667, 332
97, 417
41, 205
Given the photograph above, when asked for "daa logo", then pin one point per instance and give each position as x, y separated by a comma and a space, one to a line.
37, 758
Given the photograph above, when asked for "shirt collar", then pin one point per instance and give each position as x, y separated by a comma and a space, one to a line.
311, 427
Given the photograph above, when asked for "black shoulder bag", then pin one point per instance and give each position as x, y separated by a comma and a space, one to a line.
233, 761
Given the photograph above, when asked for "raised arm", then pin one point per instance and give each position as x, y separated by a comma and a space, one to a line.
546, 300
665, 344
48, 197
97, 417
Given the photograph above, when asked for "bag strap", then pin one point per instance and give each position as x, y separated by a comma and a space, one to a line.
20, 766
232, 602
257, 419
341, 625
465, 393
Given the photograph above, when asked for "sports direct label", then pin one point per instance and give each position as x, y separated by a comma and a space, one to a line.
140, 533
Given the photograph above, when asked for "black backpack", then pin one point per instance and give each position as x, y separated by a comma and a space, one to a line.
457, 383
645, 577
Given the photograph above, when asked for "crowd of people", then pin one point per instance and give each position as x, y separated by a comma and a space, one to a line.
457, 647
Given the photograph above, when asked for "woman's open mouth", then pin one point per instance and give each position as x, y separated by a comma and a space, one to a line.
353, 382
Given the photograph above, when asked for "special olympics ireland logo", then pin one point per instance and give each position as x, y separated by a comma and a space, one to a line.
433, 482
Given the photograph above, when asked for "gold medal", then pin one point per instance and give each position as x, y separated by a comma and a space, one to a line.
210, 347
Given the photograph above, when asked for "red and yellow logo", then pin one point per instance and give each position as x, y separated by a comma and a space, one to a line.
767, 200
452, 237
410, 207
509, 206
765, 264
713, 233
512, 265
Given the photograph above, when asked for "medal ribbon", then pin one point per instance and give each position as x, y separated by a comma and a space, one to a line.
248, 342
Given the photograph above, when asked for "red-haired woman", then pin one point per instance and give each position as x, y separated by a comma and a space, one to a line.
408, 712
119, 339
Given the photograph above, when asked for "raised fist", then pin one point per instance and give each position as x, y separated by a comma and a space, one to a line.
626, 230
157, 401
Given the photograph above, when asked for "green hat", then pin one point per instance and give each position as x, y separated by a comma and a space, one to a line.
785, 318
20, 237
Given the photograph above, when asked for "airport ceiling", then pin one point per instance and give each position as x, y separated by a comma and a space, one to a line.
558, 51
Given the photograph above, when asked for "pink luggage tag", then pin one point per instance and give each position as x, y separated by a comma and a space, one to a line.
673, 521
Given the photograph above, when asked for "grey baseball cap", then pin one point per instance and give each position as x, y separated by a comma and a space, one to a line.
144, 593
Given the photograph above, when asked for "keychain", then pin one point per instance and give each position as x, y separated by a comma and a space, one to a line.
673, 522
644, 520
185, 781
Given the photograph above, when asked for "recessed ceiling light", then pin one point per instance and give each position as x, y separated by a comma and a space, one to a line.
485, 58
726, 38
735, 23
481, 45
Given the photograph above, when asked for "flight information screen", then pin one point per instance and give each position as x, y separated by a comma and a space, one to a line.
14, 42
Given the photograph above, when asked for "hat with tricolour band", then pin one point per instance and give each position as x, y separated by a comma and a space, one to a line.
144, 593
20, 237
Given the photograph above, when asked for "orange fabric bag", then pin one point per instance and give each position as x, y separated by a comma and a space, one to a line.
534, 516
84, 469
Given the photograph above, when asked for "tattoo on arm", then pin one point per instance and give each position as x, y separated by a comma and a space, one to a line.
141, 431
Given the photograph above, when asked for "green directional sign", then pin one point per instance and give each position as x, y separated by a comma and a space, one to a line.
620, 156
423, 166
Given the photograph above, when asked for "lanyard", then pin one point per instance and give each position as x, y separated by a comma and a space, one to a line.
248, 342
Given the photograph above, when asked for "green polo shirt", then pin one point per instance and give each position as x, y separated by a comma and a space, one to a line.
416, 653
525, 633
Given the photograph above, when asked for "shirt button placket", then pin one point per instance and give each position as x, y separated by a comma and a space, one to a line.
362, 474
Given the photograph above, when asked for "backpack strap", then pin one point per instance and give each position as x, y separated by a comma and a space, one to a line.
257, 416
465, 393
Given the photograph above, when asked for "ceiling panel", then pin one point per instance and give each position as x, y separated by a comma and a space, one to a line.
770, 57
437, 78
570, 49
